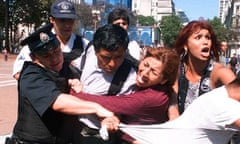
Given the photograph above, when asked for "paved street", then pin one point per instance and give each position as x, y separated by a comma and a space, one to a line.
8, 97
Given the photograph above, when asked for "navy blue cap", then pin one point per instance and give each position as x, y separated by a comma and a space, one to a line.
41, 41
63, 9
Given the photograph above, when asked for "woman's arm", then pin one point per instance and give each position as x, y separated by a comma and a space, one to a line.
221, 75
173, 111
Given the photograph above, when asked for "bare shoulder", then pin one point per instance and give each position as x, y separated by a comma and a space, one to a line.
219, 68
221, 75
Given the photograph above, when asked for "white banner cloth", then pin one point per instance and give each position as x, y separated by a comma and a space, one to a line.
158, 134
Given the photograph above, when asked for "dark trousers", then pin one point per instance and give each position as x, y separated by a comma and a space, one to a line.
236, 138
14, 140
91, 136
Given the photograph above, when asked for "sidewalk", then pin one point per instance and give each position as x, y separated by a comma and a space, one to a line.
8, 97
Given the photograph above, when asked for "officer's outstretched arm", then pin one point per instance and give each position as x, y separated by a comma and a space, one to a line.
72, 105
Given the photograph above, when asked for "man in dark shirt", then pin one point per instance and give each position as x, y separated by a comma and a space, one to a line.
233, 62
46, 113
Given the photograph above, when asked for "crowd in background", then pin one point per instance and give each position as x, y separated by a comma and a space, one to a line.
68, 87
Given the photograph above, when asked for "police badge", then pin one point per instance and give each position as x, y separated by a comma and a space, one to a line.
44, 37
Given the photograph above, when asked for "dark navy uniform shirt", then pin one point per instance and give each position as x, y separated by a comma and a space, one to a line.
38, 88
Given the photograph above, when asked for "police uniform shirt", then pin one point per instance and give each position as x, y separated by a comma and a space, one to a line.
22, 56
134, 50
37, 92
67, 48
24, 53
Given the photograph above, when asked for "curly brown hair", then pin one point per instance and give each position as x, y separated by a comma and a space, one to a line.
170, 60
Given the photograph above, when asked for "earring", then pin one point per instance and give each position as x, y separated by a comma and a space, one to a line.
184, 54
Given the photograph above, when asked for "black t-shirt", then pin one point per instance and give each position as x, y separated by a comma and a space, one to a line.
37, 90
233, 61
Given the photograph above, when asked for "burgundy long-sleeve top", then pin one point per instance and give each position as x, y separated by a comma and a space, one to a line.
148, 106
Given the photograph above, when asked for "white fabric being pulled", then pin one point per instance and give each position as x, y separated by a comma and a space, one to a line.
155, 134
208, 120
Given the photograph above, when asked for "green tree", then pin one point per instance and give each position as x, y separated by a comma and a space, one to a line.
2, 13
28, 13
31, 11
146, 20
170, 27
2, 22
45, 9
220, 30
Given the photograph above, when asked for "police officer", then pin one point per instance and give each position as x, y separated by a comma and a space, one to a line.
46, 113
62, 20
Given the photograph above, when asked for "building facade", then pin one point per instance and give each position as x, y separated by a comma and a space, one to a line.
235, 27
155, 8
229, 13
225, 11
146, 35
181, 14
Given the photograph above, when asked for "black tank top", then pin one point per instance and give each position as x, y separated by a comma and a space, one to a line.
183, 84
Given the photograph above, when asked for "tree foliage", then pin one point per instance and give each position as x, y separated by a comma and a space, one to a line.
146, 20
2, 13
37, 11
170, 27
222, 33
25, 12
31, 11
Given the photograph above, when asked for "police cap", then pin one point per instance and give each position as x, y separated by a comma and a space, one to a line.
41, 41
63, 9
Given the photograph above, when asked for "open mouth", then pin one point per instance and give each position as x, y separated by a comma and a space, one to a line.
205, 50
141, 79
